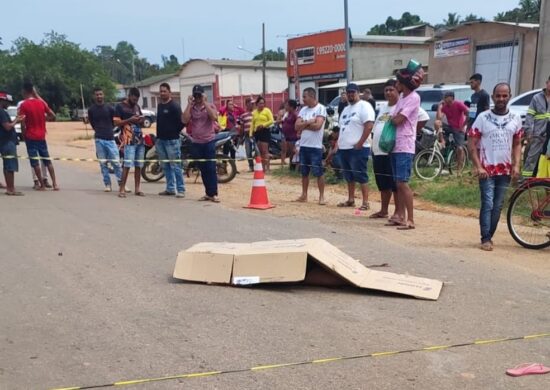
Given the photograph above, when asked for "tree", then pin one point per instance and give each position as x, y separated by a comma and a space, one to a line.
394, 26
57, 67
170, 64
272, 55
527, 12
453, 19
473, 18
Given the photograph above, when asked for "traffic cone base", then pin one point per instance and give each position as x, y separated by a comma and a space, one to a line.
258, 198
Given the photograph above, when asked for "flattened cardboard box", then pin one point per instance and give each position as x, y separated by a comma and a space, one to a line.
287, 261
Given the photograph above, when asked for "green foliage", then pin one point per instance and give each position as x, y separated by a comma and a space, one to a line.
272, 55
393, 26
527, 12
57, 67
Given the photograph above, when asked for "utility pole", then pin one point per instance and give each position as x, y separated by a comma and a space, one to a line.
349, 74
134, 68
542, 66
264, 89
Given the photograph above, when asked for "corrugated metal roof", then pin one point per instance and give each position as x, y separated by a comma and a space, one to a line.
154, 79
242, 64
358, 82
391, 39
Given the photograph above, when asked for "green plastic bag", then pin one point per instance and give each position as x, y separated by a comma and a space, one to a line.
387, 138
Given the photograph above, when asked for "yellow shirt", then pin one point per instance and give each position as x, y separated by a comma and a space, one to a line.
263, 118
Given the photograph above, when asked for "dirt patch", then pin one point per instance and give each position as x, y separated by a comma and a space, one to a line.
438, 227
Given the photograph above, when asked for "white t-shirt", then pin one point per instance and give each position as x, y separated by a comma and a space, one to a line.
309, 138
352, 123
385, 113
496, 134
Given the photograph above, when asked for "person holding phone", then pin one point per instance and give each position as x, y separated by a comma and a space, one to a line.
129, 117
201, 117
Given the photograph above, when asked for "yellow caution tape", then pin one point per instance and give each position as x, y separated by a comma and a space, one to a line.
309, 362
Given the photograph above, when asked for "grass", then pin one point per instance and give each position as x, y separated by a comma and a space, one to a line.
450, 190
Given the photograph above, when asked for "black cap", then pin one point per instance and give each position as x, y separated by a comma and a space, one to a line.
198, 89
352, 87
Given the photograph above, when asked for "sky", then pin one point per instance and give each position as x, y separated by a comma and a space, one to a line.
212, 29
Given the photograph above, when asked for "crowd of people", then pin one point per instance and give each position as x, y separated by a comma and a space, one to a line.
494, 137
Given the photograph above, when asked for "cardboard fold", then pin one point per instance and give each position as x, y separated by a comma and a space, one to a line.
287, 261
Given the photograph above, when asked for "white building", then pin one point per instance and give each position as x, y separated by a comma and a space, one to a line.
149, 90
225, 78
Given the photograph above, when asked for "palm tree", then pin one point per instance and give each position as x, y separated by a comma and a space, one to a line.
453, 19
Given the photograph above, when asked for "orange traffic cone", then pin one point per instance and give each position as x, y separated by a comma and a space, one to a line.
258, 197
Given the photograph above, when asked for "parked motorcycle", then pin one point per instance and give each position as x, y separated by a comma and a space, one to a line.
226, 167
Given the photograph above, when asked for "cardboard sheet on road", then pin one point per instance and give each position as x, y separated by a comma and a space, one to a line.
292, 261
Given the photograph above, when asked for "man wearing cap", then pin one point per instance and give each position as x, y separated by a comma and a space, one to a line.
200, 117
405, 120
457, 114
353, 145
537, 129
8, 143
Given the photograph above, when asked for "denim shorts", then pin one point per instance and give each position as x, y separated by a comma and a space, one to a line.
134, 156
11, 163
311, 160
401, 164
354, 164
38, 149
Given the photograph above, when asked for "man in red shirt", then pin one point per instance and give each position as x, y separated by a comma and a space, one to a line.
35, 110
457, 116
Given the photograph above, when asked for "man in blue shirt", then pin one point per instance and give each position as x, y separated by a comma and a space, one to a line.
8, 144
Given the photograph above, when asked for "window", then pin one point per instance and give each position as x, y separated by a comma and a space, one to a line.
153, 101
305, 56
526, 100
144, 105
397, 62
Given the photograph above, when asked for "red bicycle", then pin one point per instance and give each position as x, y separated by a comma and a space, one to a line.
528, 215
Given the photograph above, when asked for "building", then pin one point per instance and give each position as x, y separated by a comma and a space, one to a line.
228, 78
420, 30
149, 90
319, 60
543, 51
500, 51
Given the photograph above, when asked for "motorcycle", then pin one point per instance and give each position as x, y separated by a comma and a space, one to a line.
226, 167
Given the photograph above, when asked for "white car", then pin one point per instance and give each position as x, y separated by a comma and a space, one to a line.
520, 104
12, 110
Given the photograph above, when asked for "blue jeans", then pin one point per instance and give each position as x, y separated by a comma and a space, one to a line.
354, 164
401, 164
8, 150
170, 149
209, 174
493, 190
107, 150
311, 160
38, 151
134, 156
250, 146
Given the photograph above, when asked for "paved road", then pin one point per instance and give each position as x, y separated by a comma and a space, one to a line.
87, 297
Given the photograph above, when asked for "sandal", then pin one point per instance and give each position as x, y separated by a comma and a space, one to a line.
204, 198
528, 369
215, 199
347, 203
378, 215
15, 193
121, 195
364, 207
394, 223
407, 226
139, 193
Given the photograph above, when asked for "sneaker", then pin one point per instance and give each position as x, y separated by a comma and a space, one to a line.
180, 195
167, 193
107, 188
486, 246
36, 185
47, 184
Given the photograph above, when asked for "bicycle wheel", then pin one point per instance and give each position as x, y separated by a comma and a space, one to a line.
528, 216
452, 161
428, 164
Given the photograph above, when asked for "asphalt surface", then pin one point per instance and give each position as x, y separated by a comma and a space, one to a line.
87, 298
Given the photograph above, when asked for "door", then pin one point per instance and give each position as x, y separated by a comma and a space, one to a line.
498, 63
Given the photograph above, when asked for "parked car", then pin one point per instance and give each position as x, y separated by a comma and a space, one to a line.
520, 104
150, 118
432, 95
12, 110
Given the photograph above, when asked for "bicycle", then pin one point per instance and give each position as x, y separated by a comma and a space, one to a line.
431, 162
528, 215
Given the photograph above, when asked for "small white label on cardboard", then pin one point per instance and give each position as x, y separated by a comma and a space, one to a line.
245, 280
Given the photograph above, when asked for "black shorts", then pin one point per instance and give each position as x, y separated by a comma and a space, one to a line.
383, 173
263, 135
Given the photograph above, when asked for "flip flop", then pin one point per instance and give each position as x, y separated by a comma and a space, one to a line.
215, 199
300, 200
15, 193
378, 215
204, 198
407, 226
323, 203
364, 207
139, 193
394, 223
528, 369
121, 195
347, 203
